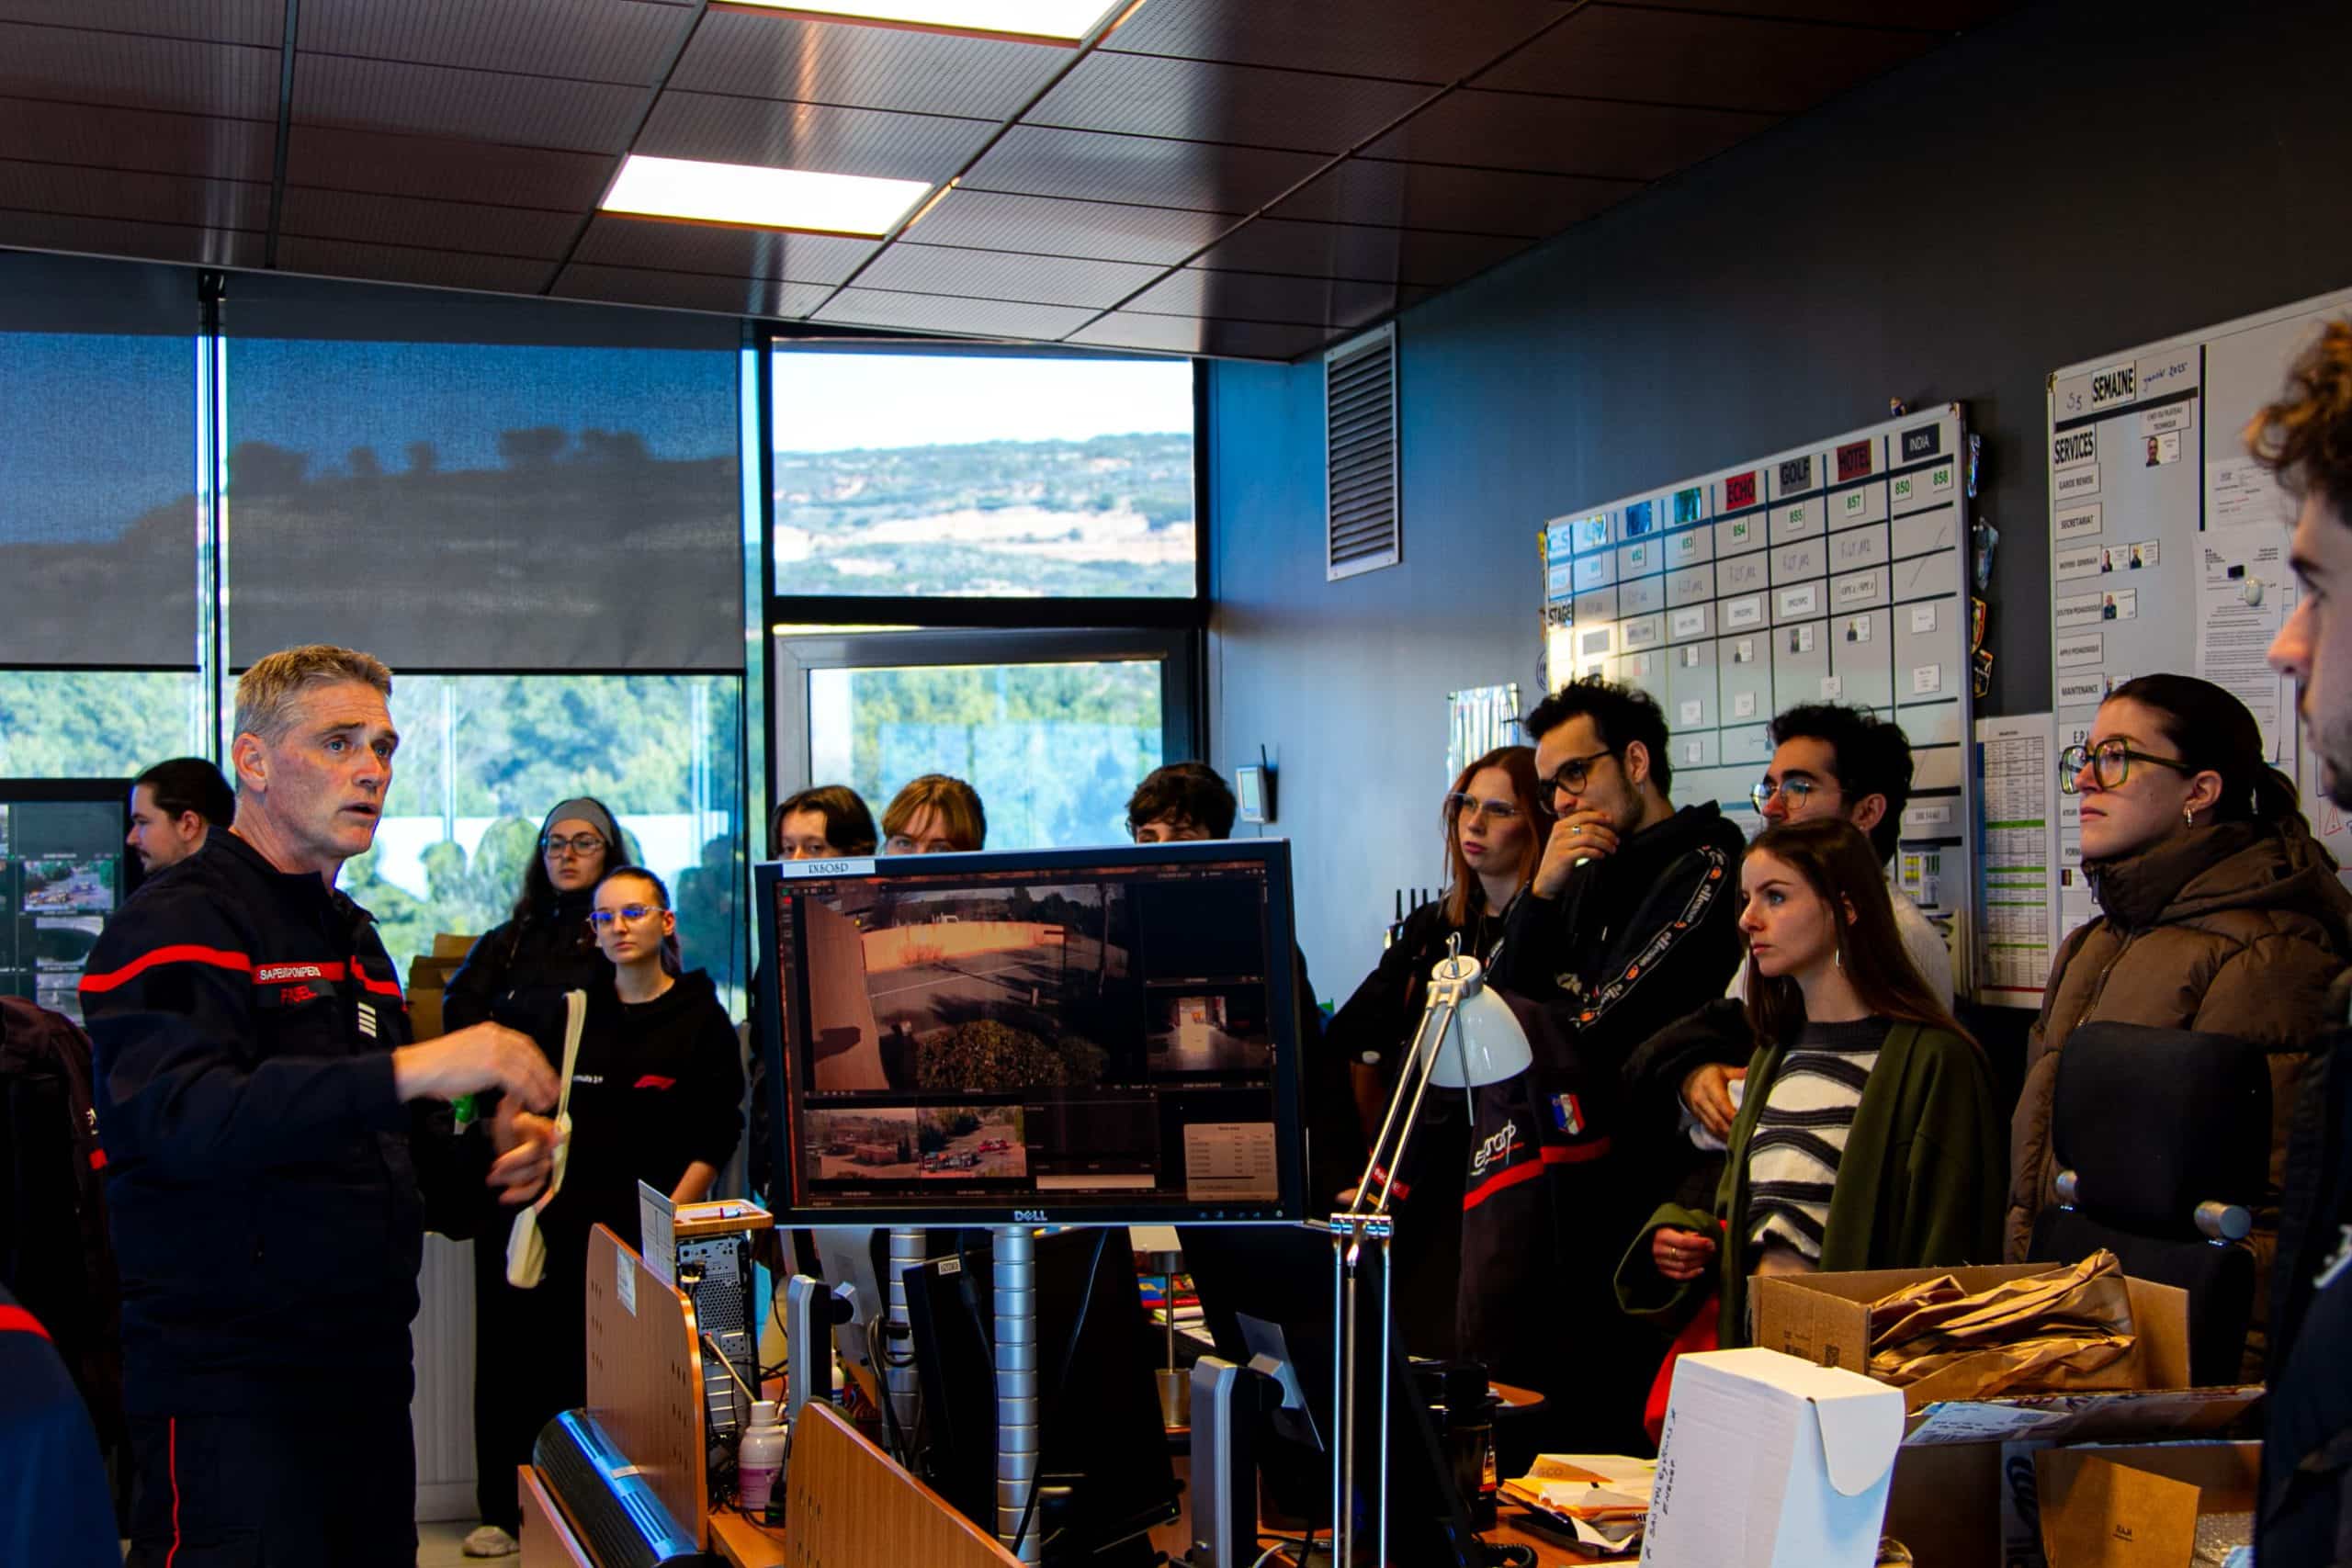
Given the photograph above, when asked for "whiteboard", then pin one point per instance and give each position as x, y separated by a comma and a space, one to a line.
1836, 571
2168, 544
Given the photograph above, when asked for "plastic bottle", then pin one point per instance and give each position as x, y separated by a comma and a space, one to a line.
760, 1460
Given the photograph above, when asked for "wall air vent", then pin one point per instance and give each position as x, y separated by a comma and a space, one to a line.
1360, 433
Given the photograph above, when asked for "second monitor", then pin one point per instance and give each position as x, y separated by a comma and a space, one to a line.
1056, 1036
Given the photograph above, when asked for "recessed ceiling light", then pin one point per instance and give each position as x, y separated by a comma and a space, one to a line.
760, 198
1057, 21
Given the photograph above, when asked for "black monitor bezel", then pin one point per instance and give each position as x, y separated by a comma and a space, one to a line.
1289, 1204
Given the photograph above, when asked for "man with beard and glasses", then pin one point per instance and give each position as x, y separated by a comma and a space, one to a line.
2306, 439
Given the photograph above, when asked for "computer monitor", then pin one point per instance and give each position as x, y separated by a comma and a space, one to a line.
1104, 1474
1034, 1037
64, 867
1266, 1291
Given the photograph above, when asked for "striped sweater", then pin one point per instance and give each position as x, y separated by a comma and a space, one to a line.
1800, 1136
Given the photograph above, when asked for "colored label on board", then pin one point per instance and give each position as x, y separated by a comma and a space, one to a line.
1924, 441
1853, 460
1739, 490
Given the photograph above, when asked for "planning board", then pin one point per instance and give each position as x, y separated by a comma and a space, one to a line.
1837, 571
2168, 546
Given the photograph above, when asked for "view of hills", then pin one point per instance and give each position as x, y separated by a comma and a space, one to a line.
1110, 515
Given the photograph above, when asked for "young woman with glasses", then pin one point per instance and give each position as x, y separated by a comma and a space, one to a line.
516, 974
655, 1094
2216, 912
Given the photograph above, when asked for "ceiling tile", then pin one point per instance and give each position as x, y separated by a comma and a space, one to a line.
1933, 16
443, 225
116, 237
938, 313
234, 80
1270, 296
690, 291
1001, 274
775, 56
1367, 37
1357, 250
402, 263
1146, 96
1108, 230
218, 21
815, 137
327, 158
1153, 172
1666, 57
598, 40
1424, 196
128, 138
153, 198
482, 106
1564, 136
653, 244
1193, 334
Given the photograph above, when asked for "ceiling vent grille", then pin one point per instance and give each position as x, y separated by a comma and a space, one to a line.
1360, 433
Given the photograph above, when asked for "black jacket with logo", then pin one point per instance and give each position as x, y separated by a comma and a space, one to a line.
659, 1085
267, 1188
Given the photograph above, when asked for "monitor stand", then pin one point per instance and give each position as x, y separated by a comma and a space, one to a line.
1017, 1453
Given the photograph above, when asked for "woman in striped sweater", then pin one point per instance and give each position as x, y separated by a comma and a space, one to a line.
1868, 1136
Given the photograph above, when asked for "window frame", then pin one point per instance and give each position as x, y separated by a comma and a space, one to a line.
793, 657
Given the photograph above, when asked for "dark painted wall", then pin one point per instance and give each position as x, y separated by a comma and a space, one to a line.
2074, 179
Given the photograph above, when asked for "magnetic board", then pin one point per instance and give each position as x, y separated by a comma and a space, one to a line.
2168, 544
1837, 571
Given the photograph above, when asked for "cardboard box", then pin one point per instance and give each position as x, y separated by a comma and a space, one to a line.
2138, 1507
429, 976
1771, 1462
1945, 1501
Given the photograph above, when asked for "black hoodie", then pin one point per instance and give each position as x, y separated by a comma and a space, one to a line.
659, 1085
517, 973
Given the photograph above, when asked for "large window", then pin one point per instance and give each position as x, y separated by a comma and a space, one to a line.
982, 475
482, 760
1054, 749
95, 724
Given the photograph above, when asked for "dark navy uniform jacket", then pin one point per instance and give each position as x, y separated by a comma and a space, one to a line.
265, 1185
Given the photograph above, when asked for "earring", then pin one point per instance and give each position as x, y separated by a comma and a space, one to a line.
2189, 815
1837, 957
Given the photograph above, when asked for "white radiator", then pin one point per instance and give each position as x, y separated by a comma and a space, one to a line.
443, 1413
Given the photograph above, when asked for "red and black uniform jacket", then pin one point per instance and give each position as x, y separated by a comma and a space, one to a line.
265, 1186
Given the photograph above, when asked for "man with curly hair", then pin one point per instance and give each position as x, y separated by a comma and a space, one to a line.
2306, 439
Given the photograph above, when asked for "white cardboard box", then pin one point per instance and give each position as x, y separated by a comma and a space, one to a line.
1771, 1462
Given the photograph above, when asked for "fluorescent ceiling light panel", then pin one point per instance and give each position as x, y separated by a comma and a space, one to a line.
1066, 20
761, 198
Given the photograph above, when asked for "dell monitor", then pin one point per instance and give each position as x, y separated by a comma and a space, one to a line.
1099, 1036
64, 868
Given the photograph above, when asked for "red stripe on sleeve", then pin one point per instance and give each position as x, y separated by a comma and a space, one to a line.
1527, 1170
16, 1320
369, 982
1575, 1154
184, 952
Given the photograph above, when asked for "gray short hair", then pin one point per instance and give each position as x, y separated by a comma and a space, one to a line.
270, 688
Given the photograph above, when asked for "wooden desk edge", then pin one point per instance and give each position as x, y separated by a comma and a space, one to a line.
744, 1541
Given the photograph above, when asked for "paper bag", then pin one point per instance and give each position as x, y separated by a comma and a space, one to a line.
526, 1250
2045, 1333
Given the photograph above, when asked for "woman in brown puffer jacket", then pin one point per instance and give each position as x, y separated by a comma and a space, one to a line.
2219, 912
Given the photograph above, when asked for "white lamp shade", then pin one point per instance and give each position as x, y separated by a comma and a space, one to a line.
1484, 1045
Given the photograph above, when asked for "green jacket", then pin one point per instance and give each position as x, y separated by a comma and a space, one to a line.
1919, 1184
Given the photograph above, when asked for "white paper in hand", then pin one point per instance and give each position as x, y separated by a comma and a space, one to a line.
526, 1250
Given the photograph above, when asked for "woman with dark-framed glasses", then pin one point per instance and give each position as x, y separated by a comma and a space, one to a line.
2218, 912
516, 974
655, 1097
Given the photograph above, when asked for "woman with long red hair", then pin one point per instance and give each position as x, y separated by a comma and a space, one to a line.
1867, 1136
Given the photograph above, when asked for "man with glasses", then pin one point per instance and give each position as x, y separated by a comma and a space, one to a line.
1630, 916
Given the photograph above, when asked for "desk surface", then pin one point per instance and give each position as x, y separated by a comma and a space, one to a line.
744, 1542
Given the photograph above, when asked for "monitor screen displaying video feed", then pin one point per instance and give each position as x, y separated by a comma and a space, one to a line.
1055, 1036
63, 869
